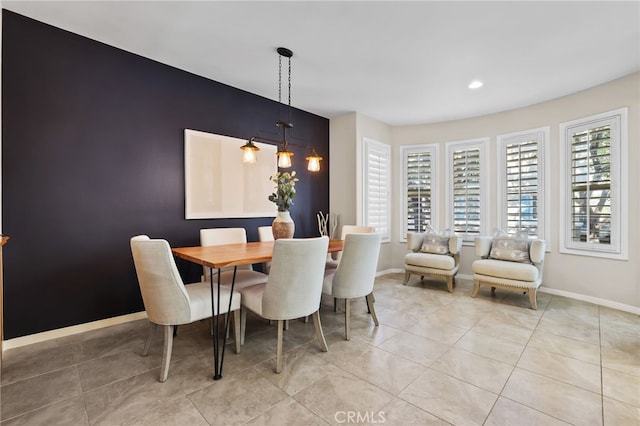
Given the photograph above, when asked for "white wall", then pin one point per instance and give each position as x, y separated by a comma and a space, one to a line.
591, 278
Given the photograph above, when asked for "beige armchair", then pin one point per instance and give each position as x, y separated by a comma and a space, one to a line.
506, 266
442, 261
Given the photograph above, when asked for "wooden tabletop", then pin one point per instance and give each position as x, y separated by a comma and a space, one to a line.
225, 255
4, 240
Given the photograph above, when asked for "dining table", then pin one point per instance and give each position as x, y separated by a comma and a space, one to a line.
230, 256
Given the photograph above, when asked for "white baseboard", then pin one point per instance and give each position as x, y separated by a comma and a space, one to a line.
68, 331
591, 299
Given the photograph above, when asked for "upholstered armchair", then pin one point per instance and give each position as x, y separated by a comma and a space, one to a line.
509, 263
433, 255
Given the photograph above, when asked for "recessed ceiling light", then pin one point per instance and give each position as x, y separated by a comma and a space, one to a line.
475, 84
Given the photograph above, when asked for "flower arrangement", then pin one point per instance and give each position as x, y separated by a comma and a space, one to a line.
285, 190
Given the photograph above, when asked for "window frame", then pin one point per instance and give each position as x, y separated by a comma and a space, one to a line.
542, 135
618, 247
367, 145
451, 147
434, 152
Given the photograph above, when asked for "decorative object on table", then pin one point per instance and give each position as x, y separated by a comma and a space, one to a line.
283, 226
327, 224
284, 155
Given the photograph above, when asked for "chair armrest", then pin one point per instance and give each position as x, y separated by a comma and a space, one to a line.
414, 240
483, 246
537, 250
455, 244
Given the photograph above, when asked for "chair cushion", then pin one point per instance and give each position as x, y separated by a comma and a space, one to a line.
513, 249
510, 270
435, 243
252, 297
327, 284
244, 278
428, 260
200, 300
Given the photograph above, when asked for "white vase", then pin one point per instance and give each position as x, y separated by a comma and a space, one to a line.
283, 226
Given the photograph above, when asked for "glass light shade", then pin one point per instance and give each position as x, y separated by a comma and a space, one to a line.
249, 156
314, 162
284, 159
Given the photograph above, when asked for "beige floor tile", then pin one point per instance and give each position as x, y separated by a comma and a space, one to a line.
446, 334
177, 412
415, 348
578, 329
507, 412
400, 413
621, 386
621, 341
383, 369
554, 398
491, 347
126, 399
618, 413
33, 360
562, 368
36, 392
110, 368
342, 393
506, 331
236, 398
483, 372
450, 399
287, 412
566, 346
67, 412
623, 361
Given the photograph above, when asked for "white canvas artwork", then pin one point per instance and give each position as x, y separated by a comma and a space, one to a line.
219, 185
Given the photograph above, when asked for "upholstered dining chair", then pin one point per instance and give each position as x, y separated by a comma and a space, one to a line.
265, 233
347, 229
293, 290
355, 274
245, 275
168, 301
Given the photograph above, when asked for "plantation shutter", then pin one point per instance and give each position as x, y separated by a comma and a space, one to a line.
418, 177
522, 187
466, 191
377, 183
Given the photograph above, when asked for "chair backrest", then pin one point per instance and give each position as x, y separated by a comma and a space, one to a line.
265, 233
219, 236
356, 272
294, 286
165, 299
353, 229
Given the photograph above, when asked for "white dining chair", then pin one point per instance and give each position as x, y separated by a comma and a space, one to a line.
293, 290
168, 302
355, 275
265, 233
346, 230
245, 275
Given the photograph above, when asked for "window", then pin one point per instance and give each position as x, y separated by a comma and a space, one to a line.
522, 181
418, 190
376, 187
466, 193
594, 212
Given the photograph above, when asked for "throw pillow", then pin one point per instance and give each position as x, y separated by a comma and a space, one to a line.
434, 242
512, 248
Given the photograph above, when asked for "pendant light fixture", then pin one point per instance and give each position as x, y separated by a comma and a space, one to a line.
284, 155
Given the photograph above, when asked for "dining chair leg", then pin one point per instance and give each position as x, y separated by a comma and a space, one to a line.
237, 321
243, 323
286, 324
335, 304
319, 334
372, 310
152, 331
347, 319
166, 353
279, 347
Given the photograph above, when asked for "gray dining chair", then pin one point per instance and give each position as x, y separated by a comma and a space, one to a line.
355, 275
293, 290
265, 233
168, 302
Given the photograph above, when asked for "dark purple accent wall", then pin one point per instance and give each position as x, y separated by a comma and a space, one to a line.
93, 153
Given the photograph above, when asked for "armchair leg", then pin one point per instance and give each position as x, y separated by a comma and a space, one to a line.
407, 275
319, 334
450, 284
372, 310
152, 331
532, 299
166, 353
476, 287
279, 347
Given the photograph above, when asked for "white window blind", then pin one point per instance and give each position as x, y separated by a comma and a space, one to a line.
418, 189
376, 188
466, 188
594, 161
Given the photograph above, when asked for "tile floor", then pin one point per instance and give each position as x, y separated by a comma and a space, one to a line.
436, 358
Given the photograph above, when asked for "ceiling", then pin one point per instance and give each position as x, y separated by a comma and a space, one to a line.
401, 63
